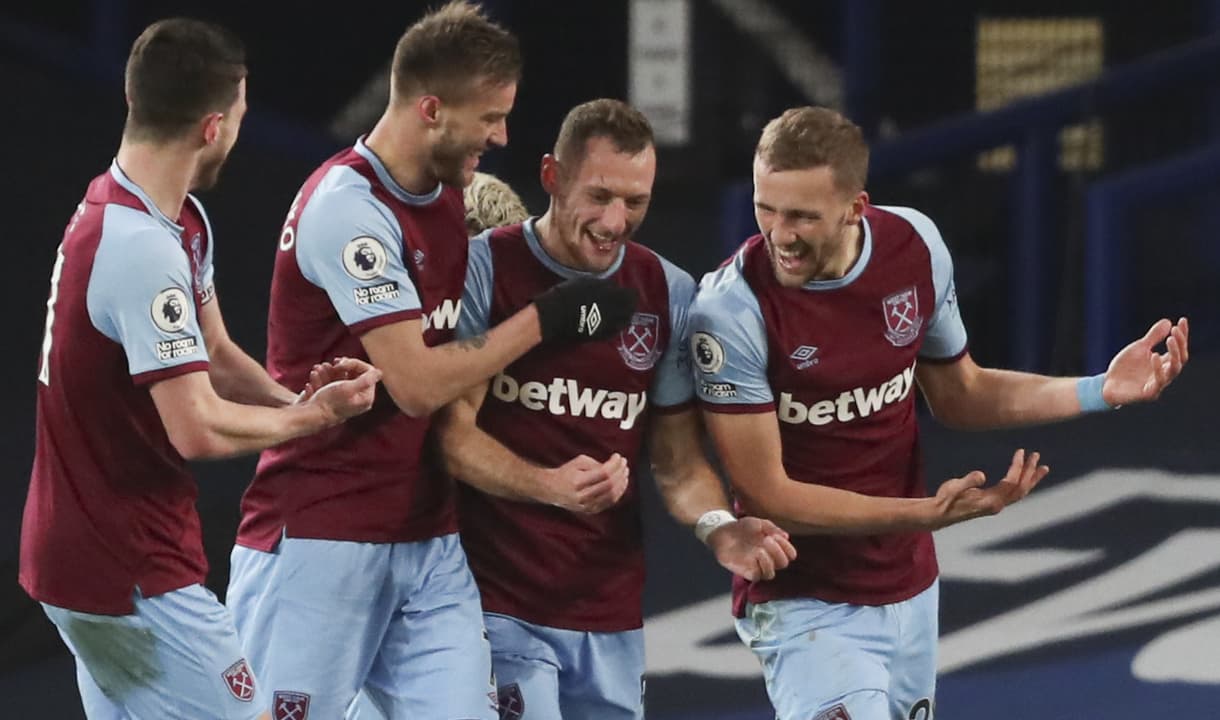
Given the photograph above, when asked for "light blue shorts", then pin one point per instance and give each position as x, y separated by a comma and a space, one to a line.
546, 673
176, 656
323, 618
826, 661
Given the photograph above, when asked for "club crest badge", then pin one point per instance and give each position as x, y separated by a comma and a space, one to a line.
638, 344
512, 704
902, 318
838, 712
239, 680
288, 705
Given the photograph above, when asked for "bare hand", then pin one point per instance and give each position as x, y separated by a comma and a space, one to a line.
752, 548
347, 397
1138, 374
325, 373
584, 485
965, 498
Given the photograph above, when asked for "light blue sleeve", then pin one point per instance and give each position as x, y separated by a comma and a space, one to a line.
350, 245
207, 271
673, 384
476, 296
140, 295
946, 334
728, 342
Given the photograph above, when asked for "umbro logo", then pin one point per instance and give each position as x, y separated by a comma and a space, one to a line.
590, 319
804, 356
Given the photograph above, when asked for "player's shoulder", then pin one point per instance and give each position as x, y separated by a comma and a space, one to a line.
514, 232
133, 249
678, 280
339, 185
136, 234
726, 289
343, 200
899, 216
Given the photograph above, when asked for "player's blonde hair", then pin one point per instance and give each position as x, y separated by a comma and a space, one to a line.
490, 203
804, 138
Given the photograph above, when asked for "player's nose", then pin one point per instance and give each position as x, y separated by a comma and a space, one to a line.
499, 135
783, 236
614, 219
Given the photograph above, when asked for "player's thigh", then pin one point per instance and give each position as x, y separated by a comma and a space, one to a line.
913, 669
177, 656
321, 614
816, 656
607, 679
97, 706
526, 669
364, 707
435, 660
248, 600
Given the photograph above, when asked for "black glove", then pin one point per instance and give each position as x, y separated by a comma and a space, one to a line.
584, 309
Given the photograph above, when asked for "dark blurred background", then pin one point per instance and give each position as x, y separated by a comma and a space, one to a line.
1069, 152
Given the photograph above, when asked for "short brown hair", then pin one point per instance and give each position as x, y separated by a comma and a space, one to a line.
446, 52
615, 120
491, 203
808, 137
179, 70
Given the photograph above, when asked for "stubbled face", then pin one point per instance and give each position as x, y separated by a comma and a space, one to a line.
470, 128
799, 211
214, 156
598, 205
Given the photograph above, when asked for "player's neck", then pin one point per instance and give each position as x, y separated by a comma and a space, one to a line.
549, 240
403, 154
833, 260
163, 171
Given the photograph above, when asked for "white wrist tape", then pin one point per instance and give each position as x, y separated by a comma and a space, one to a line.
711, 520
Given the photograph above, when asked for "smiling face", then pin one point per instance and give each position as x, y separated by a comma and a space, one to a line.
469, 128
810, 167
806, 219
597, 205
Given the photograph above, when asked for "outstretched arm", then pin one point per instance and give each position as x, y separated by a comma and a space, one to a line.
749, 447
963, 395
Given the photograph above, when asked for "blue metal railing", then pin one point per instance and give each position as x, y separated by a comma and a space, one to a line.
1108, 242
1032, 126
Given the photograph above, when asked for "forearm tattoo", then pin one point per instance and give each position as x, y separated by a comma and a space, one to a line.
468, 344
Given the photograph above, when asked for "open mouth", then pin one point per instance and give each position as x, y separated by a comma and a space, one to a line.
604, 243
790, 258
